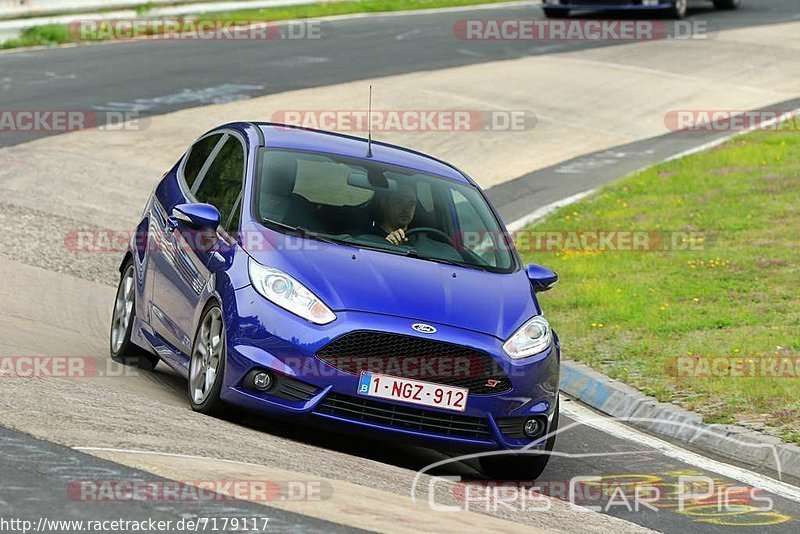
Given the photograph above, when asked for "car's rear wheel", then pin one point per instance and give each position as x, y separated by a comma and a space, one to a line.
727, 4
522, 466
207, 365
556, 12
679, 9
123, 350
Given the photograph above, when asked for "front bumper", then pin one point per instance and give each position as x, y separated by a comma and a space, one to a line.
264, 336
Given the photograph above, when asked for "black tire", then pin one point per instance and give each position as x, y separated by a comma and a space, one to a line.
524, 466
211, 404
679, 9
556, 12
122, 349
727, 4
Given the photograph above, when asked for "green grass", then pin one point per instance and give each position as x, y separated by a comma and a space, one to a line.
628, 313
50, 34
54, 34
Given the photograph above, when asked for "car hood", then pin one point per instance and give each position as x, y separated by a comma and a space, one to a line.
353, 279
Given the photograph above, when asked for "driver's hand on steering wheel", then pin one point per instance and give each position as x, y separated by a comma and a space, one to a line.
398, 237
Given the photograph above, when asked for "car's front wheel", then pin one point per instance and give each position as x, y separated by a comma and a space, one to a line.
207, 365
123, 350
528, 466
727, 4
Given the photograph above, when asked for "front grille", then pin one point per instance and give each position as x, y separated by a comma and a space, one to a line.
359, 409
416, 358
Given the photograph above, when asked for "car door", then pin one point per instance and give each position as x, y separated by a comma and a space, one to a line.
182, 272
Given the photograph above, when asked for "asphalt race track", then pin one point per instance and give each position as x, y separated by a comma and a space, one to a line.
95, 77
138, 426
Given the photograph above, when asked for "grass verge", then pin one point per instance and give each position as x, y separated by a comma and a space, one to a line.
631, 314
48, 35
54, 34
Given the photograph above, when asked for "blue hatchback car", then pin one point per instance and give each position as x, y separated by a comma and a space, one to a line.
365, 286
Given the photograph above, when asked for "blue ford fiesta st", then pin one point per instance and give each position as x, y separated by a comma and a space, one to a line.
360, 285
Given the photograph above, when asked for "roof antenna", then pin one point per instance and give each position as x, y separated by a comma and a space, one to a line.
369, 125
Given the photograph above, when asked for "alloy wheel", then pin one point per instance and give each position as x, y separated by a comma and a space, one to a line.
123, 310
207, 355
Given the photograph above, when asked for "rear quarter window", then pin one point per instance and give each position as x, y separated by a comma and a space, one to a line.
198, 155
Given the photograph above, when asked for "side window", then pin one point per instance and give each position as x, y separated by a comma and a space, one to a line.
197, 157
222, 184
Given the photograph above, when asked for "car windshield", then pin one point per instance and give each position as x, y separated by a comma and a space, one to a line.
383, 207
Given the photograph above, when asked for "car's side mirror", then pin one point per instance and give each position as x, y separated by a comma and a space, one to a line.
541, 278
201, 217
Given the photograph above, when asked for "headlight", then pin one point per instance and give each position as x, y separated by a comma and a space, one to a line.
532, 338
286, 292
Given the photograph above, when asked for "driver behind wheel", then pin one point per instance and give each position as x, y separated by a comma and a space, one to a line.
396, 210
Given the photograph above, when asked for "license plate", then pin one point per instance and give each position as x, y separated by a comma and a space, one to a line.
412, 391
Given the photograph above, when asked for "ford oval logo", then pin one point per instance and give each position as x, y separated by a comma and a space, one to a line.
424, 328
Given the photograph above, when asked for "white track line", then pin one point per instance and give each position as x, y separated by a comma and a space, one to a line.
714, 144
168, 454
619, 430
545, 210
542, 212
616, 429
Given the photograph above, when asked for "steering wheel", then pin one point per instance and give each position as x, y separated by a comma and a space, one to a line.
434, 231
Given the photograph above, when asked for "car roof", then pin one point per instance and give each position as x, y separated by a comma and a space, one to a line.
297, 138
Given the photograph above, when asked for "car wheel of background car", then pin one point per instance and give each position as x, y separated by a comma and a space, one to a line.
207, 365
679, 8
556, 12
727, 4
524, 466
123, 350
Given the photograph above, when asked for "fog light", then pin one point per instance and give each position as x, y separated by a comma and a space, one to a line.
262, 381
533, 428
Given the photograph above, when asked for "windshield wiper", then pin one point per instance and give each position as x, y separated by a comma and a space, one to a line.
413, 253
301, 231
416, 255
